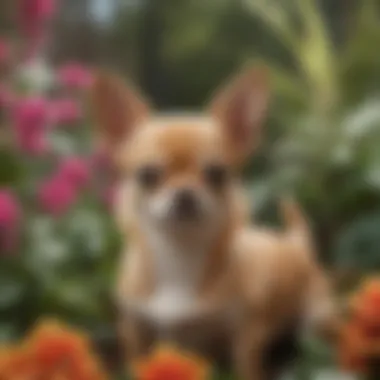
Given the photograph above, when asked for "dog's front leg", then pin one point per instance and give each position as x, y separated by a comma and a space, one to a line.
248, 352
135, 338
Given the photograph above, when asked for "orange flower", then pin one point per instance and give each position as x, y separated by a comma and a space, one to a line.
15, 363
361, 336
50, 344
366, 305
61, 351
166, 363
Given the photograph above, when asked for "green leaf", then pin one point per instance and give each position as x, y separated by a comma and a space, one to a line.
8, 332
11, 292
10, 168
358, 245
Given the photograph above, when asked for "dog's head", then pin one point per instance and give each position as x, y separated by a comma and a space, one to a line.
179, 171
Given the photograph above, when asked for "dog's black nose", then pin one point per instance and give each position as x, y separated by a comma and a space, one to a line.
186, 204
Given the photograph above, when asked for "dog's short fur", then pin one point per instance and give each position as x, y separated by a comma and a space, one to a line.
191, 273
285, 291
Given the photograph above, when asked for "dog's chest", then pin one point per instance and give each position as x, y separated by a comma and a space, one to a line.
177, 279
177, 270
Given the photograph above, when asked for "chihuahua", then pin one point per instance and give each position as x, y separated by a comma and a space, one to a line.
181, 208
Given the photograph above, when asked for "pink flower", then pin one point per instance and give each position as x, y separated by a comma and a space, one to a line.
9, 208
75, 170
4, 52
10, 215
33, 15
30, 117
31, 114
34, 145
66, 111
74, 76
57, 195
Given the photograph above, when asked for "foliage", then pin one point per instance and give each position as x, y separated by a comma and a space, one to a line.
328, 119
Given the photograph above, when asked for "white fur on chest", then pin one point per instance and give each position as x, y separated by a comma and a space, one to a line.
178, 272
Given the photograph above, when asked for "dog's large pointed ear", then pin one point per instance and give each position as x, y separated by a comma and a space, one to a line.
117, 110
241, 107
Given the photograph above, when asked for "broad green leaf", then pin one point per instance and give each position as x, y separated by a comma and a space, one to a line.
10, 168
11, 292
358, 245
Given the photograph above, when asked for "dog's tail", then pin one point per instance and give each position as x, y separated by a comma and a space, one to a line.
295, 221
294, 218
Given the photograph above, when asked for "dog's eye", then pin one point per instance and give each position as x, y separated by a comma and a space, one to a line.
149, 176
216, 175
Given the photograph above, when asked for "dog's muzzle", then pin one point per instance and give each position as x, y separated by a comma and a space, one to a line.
186, 206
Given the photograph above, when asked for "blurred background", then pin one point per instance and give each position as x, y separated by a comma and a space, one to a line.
58, 244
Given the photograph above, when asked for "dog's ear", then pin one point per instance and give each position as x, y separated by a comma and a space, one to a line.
117, 109
241, 107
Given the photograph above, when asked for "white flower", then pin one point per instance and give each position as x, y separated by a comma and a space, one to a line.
36, 74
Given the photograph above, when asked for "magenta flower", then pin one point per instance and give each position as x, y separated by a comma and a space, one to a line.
66, 111
33, 145
74, 76
31, 114
30, 117
57, 195
33, 16
75, 170
4, 52
10, 215
9, 208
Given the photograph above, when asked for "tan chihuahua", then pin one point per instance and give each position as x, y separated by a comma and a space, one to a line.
180, 207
